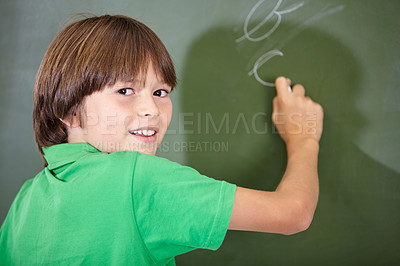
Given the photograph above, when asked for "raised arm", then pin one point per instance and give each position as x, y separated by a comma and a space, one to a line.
290, 208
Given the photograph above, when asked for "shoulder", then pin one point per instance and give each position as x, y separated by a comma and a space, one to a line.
136, 165
109, 161
138, 162
162, 168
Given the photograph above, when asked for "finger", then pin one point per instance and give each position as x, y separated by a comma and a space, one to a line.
299, 90
290, 84
282, 86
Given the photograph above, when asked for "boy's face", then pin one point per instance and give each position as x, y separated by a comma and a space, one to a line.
130, 116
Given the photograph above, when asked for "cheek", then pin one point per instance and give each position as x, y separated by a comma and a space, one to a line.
101, 119
93, 118
91, 114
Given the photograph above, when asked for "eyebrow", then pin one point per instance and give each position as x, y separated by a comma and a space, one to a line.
136, 82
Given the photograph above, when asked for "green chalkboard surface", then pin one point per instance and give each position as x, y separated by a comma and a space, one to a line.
345, 53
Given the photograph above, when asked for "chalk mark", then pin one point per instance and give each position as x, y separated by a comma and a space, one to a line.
265, 20
267, 56
300, 28
260, 61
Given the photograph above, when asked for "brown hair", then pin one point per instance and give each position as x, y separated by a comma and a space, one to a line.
84, 58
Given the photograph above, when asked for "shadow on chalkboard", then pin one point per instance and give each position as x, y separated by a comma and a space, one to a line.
230, 136
226, 108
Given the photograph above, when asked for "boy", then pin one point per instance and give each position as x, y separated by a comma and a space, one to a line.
101, 109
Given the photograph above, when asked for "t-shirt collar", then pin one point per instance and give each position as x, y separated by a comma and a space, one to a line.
62, 154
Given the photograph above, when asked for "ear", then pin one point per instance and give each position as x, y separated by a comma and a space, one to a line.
72, 121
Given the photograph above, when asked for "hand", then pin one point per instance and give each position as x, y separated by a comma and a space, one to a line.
296, 117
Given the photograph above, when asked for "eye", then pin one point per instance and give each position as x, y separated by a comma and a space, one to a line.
161, 93
125, 91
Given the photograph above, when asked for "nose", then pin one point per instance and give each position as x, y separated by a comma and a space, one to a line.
147, 107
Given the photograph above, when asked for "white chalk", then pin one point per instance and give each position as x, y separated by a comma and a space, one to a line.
290, 89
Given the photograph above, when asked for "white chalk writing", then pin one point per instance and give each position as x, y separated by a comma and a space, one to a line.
260, 61
265, 20
278, 14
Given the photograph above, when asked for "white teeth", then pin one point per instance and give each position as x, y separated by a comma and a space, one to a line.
149, 132
144, 132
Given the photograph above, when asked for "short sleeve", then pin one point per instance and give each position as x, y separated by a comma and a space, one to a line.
177, 209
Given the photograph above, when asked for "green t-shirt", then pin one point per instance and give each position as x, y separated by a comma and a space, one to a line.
124, 208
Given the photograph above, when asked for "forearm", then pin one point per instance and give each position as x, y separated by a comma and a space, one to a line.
290, 208
300, 181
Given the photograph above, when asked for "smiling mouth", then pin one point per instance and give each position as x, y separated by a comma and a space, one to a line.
144, 132
145, 135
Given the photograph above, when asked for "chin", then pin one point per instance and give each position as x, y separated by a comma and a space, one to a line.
147, 152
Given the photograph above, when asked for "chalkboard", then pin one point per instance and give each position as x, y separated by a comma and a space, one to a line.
345, 53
